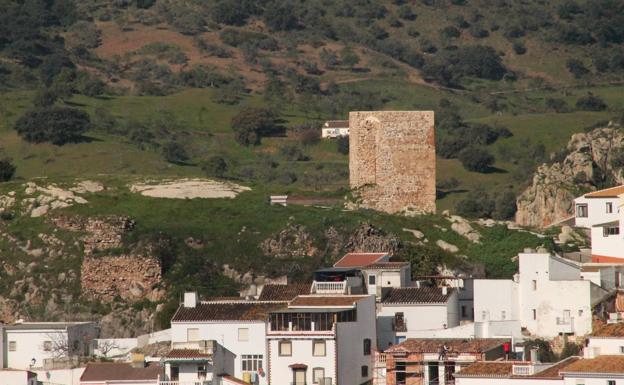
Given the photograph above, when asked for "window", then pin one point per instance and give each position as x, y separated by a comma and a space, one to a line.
12, 346
317, 375
483, 315
610, 230
503, 315
610, 382
581, 211
534, 284
367, 346
580, 312
534, 314
609, 207
251, 362
175, 373
243, 334
621, 349
463, 311
318, 348
372, 279
192, 334
202, 372
285, 348
364, 371
47, 346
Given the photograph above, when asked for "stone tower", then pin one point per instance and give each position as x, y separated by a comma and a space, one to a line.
392, 160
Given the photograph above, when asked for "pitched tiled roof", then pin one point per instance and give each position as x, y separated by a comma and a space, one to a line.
600, 364
116, 371
336, 124
488, 369
359, 259
235, 311
187, 354
612, 192
432, 345
320, 301
609, 330
284, 292
417, 295
387, 265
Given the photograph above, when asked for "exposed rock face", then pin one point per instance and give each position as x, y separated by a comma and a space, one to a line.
392, 160
588, 164
102, 232
132, 278
368, 238
292, 242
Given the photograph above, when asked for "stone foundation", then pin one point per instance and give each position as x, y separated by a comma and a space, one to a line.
392, 160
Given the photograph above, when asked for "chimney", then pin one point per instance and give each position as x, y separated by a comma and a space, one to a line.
190, 299
534, 356
444, 290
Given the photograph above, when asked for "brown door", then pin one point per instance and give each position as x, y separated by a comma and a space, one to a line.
299, 377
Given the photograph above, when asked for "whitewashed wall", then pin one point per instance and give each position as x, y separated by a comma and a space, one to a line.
597, 211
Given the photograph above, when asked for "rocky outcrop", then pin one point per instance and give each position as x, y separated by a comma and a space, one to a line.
368, 238
294, 241
588, 164
131, 278
102, 233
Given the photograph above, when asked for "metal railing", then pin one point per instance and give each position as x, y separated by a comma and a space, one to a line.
399, 325
330, 287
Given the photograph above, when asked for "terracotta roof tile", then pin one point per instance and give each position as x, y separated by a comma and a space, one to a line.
600, 364
336, 124
612, 192
320, 301
235, 311
359, 259
115, 371
187, 354
387, 265
284, 292
488, 369
416, 295
609, 330
432, 345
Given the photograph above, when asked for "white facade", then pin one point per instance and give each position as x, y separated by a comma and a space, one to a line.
590, 211
496, 300
242, 338
17, 377
418, 319
379, 278
597, 346
335, 129
343, 355
27, 345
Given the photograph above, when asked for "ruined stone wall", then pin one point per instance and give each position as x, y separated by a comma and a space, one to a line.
392, 160
132, 278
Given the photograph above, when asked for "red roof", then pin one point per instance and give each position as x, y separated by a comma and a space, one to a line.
612, 192
115, 371
360, 259
315, 300
187, 354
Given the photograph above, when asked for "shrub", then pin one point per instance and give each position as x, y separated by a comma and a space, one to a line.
293, 152
405, 12
450, 32
349, 58
174, 152
7, 169
591, 102
476, 159
448, 184
505, 206
58, 125
215, 166
281, 16
519, 47
251, 123
342, 145
476, 204
557, 105
576, 68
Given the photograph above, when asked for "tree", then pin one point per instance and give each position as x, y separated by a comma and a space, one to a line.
174, 152
328, 58
476, 159
281, 16
251, 123
348, 57
58, 125
342, 145
591, 102
7, 169
215, 166
106, 346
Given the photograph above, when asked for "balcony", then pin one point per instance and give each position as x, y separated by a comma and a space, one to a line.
399, 325
199, 382
529, 369
329, 287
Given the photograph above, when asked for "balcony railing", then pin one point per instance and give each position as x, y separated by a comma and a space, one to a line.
329, 287
565, 324
399, 325
199, 382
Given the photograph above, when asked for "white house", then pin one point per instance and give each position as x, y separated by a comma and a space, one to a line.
603, 370
598, 207
198, 363
238, 326
323, 340
335, 128
547, 297
381, 275
17, 377
605, 340
30, 345
411, 312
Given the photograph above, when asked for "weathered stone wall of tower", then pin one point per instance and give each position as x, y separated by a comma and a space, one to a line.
392, 160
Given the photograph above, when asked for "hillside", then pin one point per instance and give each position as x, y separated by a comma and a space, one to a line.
236, 90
